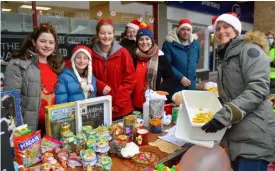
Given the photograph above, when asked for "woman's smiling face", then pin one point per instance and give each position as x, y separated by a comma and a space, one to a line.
224, 33
145, 43
106, 34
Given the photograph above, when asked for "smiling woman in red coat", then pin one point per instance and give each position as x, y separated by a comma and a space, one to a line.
113, 67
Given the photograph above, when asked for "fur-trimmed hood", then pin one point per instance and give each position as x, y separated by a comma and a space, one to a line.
258, 38
173, 36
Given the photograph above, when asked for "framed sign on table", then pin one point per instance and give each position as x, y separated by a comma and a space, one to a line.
95, 111
10, 100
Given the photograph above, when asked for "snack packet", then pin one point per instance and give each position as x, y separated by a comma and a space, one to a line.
48, 158
49, 144
62, 156
74, 160
28, 149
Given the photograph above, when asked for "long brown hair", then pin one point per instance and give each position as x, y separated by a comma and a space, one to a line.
55, 60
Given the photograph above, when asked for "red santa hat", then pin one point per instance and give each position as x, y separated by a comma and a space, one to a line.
184, 23
86, 83
211, 27
230, 18
134, 24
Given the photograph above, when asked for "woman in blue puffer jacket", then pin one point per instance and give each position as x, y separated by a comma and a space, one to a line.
77, 83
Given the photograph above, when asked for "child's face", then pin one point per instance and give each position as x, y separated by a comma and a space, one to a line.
44, 45
81, 60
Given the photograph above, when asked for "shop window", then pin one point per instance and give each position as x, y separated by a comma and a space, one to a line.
199, 30
75, 21
16, 17
16, 23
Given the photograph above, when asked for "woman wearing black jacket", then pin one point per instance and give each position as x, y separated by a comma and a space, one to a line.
153, 71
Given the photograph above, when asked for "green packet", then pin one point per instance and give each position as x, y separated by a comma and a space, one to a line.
22, 130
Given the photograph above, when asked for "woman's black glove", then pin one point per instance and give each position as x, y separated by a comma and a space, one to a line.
272, 64
212, 126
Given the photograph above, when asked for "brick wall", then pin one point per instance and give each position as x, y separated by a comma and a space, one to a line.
264, 16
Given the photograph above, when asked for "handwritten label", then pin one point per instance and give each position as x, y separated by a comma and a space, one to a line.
93, 115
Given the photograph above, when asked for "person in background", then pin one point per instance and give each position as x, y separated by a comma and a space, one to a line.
243, 85
77, 83
270, 37
153, 71
183, 53
129, 39
113, 67
33, 71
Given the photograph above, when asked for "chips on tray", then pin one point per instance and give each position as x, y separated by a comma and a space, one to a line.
202, 117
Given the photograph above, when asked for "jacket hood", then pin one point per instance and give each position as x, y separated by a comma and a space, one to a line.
173, 36
258, 38
116, 46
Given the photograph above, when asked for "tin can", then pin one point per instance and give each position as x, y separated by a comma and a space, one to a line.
129, 123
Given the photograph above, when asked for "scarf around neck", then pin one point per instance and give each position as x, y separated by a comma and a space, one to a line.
151, 57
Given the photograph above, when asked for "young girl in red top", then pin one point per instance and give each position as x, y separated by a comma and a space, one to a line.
113, 67
33, 71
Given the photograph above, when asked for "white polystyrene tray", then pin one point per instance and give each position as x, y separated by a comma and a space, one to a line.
181, 131
192, 102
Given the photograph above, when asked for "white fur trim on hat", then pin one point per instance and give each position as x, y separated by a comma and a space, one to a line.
229, 19
86, 85
133, 26
184, 25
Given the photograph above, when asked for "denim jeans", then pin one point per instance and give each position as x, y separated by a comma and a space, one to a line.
244, 164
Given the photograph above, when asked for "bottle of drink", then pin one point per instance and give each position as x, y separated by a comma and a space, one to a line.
146, 112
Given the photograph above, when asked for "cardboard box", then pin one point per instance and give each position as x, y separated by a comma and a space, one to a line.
55, 115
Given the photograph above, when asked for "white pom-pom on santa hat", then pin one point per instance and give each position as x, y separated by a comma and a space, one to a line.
86, 83
230, 18
134, 24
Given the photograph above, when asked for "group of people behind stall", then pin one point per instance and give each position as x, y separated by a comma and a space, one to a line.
38, 70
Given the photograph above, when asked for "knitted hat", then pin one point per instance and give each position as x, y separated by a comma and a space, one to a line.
184, 23
230, 18
85, 85
144, 31
134, 24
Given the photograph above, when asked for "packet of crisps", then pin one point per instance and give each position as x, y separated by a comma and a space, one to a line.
28, 149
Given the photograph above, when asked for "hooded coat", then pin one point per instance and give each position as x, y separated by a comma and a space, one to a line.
118, 72
243, 85
183, 62
69, 88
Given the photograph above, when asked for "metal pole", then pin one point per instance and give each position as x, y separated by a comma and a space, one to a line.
34, 15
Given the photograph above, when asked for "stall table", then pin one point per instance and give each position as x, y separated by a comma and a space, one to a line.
121, 164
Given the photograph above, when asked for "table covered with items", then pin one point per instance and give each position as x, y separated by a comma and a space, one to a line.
82, 136
102, 148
